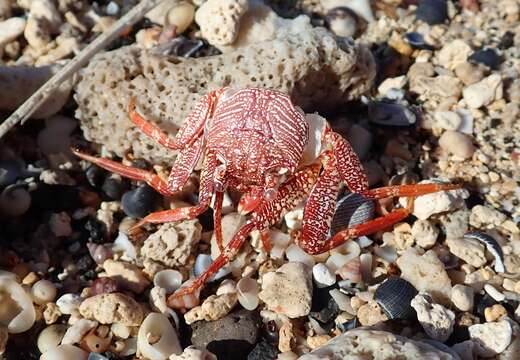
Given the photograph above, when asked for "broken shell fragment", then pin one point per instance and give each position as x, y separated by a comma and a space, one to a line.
351, 271
16, 307
247, 290
351, 210
492, 246
157, 339
394, 297
170, 280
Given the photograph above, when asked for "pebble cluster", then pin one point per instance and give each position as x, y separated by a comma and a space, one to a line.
441, 102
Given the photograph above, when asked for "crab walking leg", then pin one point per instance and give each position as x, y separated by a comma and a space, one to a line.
269, 213
191, 212
217, 219
127, 171
184, 164
412, 190
192, 126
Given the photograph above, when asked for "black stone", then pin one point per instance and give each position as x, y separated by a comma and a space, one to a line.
487, 57
263, 351
96, 230
85, 263
10, 170
140, 202
95, 175
113, 188
55, 198
328, 313
231, 337
432, 12
483, 302
507, 40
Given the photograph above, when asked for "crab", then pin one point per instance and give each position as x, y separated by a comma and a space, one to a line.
257, 142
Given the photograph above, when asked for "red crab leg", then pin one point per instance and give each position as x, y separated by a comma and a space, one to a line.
412, 190
127, 171
268, 214
184, 164
217, 219
192, 126
191, 212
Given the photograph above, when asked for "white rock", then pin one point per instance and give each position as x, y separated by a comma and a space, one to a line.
457, 144
213, 308
392, 83
128, 276
424, 233
288, 290
171, 12
453, 53
436, 320
426, 273
494, 293
219, 20
323, 276
194, 353
77, 331
10, 29
484, 92
68, 304
491, 338
448, 120
462, 297
373, 344
471, 251
484, 216
438, 202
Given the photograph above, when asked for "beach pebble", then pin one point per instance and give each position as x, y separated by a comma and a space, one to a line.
457, 144
438, 202
447, 120
140, 202
392, 83
10, 29
64, 352
294, 253
483, 92
432, 12
43, 292
241, 328
494, 293
462, 297
288, 290
491, 338
486, 216
44, 20
469, 73
322, 275
469, 250
77, 331
219, 20
425, 233
494, 313
172, 243
112, 308
455, 224
128, 276
453, 53
342, 21
15, 200
213, 308
436, 320
360, 139
171, 12
51, 336
194, 353
68, 304
426, 273
59, 224
370, 314
375, 344
487, 57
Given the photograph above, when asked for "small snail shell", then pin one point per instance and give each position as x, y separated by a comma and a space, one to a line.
156, 339
169, 280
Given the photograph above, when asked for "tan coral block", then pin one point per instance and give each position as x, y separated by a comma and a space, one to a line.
112, 308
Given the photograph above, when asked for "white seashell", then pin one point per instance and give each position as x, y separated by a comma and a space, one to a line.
121, 331
43, 292
247, 290
228, 286
494, 293
123, 244
169, 280
351, 271
323, 276
296, 253
360, 7
342, 255
342, 300
51, 336
65, 352
77, 331
313, 148
157, 339
203, 262
386, 252
68, 304
16, 307
364, 241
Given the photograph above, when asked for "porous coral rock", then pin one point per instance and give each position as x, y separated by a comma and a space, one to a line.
128, 276
436, 320
469, 250
491, 338
112, 308
213, 308
194, 353
288, 290
374, 344
171, 245
316, 70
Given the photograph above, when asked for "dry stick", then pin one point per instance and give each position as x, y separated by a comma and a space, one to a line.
44, 92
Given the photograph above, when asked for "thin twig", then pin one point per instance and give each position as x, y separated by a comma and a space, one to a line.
47, 89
